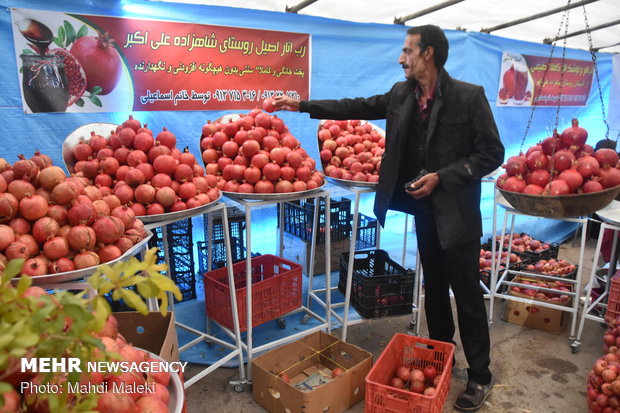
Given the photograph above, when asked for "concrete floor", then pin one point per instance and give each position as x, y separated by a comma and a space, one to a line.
534, 371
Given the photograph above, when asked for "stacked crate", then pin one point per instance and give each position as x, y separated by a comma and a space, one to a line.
180, 254
299, 223
236, 228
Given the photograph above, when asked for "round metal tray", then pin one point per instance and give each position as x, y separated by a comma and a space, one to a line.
178, 215
85, 272
564, 206
175, 388
272, 197
352, 183
346, 181
83, 134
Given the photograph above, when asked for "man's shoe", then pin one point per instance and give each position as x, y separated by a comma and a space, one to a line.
473, 397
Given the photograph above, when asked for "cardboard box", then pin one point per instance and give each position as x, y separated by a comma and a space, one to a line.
298, 250
301, 358
536, 316
152, 332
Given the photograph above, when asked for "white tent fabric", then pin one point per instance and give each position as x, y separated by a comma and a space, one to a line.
469, 15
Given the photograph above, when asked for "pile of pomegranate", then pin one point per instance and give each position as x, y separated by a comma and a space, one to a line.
522, 243
58, 223
531, 287
350, 150
256, 153
147, 174
486, 259
559, 267
561, 165
422, 381
603, 383
126, 392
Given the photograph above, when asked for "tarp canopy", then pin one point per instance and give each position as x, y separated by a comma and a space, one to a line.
348, 59
535, 23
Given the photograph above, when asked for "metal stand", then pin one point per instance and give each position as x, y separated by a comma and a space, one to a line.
611, 217
236, 350
417, 291
504, 279
248, 204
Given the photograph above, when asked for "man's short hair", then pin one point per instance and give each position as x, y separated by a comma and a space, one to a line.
431, 35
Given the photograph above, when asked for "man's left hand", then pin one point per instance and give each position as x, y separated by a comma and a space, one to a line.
428, 183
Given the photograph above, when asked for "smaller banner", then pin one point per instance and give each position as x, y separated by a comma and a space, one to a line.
527, 80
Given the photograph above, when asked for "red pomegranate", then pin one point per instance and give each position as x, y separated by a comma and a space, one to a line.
100, 60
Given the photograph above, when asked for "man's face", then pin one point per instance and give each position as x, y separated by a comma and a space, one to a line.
413, 62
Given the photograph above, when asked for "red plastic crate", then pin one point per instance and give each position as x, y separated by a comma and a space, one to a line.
411, 351
613, 299
276, 290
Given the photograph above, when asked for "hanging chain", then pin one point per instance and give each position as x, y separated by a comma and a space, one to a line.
562, 70
542, 81
598, 81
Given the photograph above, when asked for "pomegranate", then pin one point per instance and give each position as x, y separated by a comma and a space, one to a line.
33, 207
81, 213
100, 60
166, 138
86, 259
563, 159
55, 248
514, 184
588, 166
125, 214
164, 164
7, 235
165, 196
592, 186
533, 189
537, 160
609, 177
25, 169
109, 229
574, 135
51, 176
109, 253
81, 237
557, 187
573, 178
606, 157
43, 229
552, 144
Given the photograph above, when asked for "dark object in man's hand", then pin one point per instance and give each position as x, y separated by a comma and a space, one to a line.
409, 185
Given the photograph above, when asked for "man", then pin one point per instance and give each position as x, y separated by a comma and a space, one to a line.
444, 128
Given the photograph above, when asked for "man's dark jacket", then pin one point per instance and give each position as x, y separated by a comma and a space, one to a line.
462, 145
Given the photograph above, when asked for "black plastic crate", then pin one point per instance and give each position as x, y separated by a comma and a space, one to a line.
380, 287
236, 226
299, 219
366, 232
485, 275
218, 254
551, 252
180, 254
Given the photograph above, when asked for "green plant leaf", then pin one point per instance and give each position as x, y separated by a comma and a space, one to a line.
95, 101
70, 32
23, 284
80, 102
61, 36
148, 289
133, 300
5, 387
27, 51
96, 90
12, 269
82, 32
26, 339
58, 42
